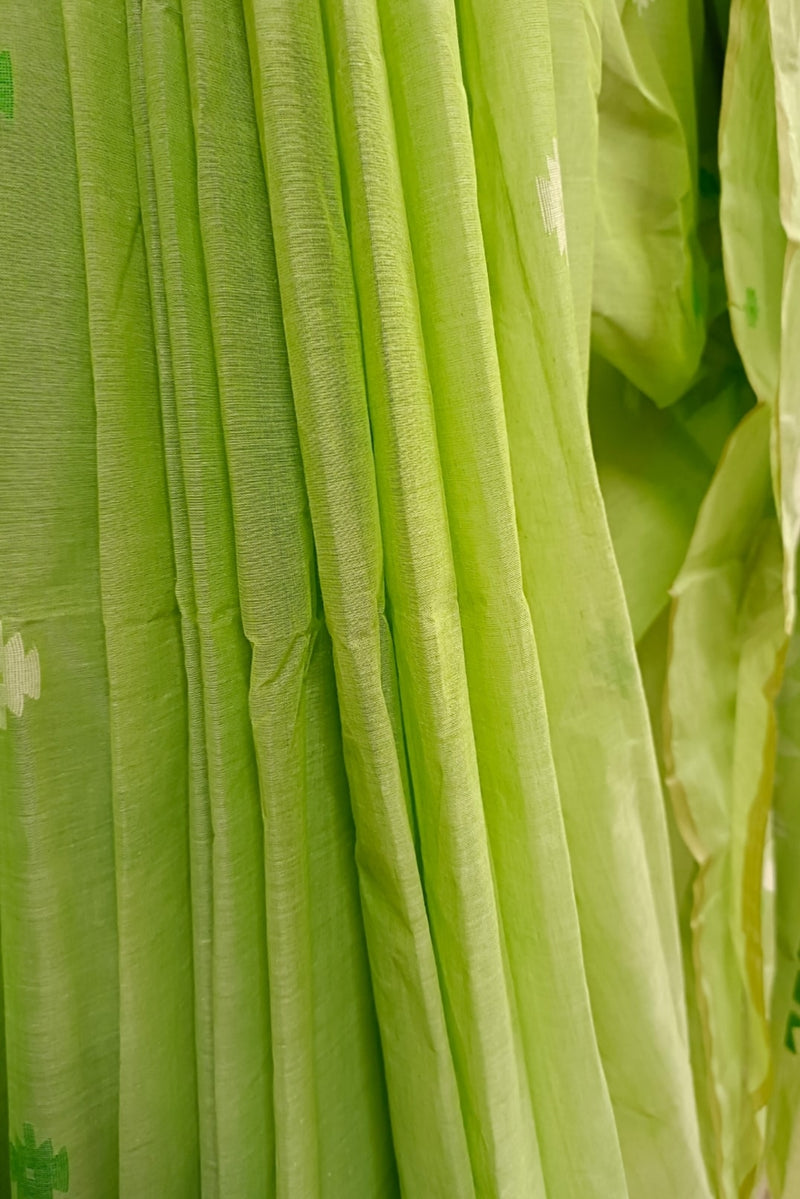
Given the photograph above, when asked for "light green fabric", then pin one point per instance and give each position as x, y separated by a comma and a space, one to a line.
376, 448
655, 467
783, 1127
650, 291
725, 661
724, 671
58, 888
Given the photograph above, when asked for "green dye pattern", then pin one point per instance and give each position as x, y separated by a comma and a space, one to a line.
37, 1171
6, 85
751, 307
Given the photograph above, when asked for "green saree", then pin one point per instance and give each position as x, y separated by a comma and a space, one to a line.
374, 435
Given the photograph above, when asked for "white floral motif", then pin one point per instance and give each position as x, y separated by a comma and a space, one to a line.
551, 200
21, 676
642, 4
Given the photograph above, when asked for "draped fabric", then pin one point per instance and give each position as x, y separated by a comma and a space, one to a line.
370, 371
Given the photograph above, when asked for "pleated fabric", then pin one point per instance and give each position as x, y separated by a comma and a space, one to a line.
334, 858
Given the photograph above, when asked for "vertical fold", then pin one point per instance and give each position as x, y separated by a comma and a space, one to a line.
235, 1091
158, 1107
199, 818
784, 29
602, 748
574, 1120
576, 45
332, 1134
421, 592
325, 358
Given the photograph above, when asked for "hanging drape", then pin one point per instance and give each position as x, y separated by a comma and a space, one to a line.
335, 858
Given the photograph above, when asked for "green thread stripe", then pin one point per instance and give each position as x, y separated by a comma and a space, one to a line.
6, 85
